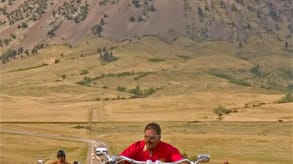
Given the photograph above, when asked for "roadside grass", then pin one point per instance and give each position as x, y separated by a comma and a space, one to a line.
27, 149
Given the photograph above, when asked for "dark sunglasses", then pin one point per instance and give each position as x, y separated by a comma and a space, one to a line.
150, 137
60, 156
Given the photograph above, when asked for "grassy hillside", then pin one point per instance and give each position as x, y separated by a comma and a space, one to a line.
147, 79
210, 97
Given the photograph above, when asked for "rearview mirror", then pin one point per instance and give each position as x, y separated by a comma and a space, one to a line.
203, 158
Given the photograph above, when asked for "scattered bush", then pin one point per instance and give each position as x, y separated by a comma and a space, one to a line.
86, 81
107, 56
83, 72
221, 110
136, 3
121, 89
63, 76
131, 19
56, 61
13, 36
97, 30
184, 57
8, 54
102, 2
256, 70
289, 87
286, 99
156, 59
138, 93
232, 80
52, 32
240, 82
22, 25
200, 14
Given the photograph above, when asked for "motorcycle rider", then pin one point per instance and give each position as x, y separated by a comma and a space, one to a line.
61, 158
152, 148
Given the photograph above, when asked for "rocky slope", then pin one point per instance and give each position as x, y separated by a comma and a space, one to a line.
28, 23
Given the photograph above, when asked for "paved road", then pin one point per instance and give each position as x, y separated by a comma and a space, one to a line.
91, 158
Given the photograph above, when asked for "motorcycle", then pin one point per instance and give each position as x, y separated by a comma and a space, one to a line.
112, 159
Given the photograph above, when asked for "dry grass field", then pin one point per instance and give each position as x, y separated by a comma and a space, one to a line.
28, 149
177, 84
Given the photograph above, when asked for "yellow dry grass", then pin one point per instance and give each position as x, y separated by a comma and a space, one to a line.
27, 149
187, 92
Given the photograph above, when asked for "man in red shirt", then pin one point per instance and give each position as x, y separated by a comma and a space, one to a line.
152, 148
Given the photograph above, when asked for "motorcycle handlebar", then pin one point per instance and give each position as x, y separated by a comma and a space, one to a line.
123, 158
116, 159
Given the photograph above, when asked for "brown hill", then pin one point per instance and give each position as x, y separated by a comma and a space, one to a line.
29, 24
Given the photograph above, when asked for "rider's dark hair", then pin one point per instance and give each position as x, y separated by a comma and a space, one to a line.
153, 126
61, 153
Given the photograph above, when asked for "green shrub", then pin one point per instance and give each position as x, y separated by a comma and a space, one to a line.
286, 99
290, 87
240, 82
102, 2
156, 59
57, 61
138, 93
107, 56
256, 70
148, 92
83, 72
121, 89
131, 19
85, 81
184, 57
63, 76
13, 36
221, 110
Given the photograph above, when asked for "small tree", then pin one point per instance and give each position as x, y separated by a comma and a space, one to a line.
84, 71
136, 3
121, 89
63, 76
24, 25
102, 22
97, 30
132, 19
287, 98
240, 44
13, 36
221, 110
200, 14
256, 70
286, 45
56, 61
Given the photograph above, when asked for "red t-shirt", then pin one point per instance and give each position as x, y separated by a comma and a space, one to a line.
163, 152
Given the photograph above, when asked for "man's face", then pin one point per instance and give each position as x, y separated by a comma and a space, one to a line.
151, 139
61, 158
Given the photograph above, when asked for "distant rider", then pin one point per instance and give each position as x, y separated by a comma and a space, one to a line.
61, 158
